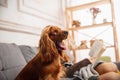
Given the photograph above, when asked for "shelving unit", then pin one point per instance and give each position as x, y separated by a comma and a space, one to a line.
91, 26
69, 19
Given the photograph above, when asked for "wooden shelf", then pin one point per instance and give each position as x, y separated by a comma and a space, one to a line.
89, 48
93, 4
69, 19
91, 26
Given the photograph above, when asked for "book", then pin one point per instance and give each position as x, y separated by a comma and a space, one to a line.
97, 49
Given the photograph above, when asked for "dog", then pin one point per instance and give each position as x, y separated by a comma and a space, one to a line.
46, 65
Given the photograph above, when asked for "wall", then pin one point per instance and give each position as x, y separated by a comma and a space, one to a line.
21, 21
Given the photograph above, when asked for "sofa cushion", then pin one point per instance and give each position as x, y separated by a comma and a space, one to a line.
1, 65
11, 73
28, 52
2, 76
11, 56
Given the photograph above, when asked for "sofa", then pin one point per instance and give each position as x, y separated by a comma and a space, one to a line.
13, 58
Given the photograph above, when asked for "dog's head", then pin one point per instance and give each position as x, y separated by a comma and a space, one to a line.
52, 40
57, 36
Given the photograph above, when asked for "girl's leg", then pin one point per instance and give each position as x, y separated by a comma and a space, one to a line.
106, 67
109, 76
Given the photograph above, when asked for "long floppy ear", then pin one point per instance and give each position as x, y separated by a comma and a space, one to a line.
47, 49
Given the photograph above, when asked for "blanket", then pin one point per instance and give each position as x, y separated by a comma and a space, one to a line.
86, 72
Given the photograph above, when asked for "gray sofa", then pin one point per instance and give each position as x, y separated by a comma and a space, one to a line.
13, 58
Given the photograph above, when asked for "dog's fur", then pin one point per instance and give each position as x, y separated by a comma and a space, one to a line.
46, 65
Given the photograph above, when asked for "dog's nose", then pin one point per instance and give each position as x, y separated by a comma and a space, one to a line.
66, 32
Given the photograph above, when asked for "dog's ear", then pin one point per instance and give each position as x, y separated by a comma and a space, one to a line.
47, 48
43, 43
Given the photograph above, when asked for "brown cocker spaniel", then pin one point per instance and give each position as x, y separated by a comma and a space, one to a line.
46, 65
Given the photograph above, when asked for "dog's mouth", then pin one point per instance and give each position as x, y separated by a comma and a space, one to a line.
61, 46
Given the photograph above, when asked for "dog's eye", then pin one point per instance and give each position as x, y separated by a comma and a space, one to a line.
53, 33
